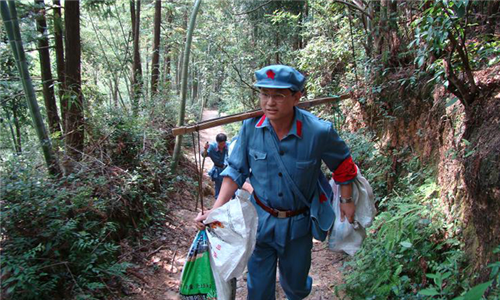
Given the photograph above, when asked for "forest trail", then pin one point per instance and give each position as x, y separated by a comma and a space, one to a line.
207, 135
158, 275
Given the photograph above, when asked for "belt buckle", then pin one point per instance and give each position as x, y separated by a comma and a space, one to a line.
281, 214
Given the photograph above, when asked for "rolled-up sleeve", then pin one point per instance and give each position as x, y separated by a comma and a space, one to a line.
238, 168
338, 158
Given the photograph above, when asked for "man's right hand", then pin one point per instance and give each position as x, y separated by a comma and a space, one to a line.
206, 146
199, 220
227, 191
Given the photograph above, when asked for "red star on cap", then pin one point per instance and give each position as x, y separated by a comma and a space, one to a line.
270, 74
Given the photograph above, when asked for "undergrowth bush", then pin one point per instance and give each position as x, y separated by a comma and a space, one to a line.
61, 238
54, 237
374, 166
410, 251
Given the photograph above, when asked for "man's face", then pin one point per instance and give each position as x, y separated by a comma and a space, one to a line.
278, 104
221, 144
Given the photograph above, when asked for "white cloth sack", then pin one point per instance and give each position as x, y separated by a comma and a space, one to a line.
362, 195
346, 237
232, 232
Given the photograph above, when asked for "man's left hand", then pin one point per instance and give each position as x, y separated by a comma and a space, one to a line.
347, 210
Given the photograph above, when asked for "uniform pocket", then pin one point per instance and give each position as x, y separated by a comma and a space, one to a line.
305, 173
300, 226
305, 164
257, 155
258, 163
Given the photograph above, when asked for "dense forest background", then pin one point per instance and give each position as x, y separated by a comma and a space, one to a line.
90, 92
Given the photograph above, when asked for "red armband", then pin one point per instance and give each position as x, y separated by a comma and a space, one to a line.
346, 171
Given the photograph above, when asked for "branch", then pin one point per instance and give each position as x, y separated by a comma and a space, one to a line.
356, 7
361, 3
469, 97
455, 85
234, 67
252, 10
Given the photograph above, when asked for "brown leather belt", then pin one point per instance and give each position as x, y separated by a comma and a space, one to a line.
220, 166
279, 213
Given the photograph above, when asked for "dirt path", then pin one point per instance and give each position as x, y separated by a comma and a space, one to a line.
157, 276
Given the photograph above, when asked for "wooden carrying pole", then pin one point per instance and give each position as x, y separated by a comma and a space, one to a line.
247, 115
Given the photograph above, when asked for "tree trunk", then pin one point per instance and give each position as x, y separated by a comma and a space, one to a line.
167, 57
155, 63
369, 30
194, 94
393, 35
178, 77
45, 67
16, 136
18, 129
277, 45
13, 138
9, 17
492, 15
115, 90
303, 18
145, 87
136, 67
379, 25
60, 65
132, 22
178, 73
182, 109
75, 117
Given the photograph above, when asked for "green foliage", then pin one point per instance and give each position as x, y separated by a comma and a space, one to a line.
64, 234
373, 164
62, 237
485, 53
492, 287
327, 56
440, 36
410, 253
54, 237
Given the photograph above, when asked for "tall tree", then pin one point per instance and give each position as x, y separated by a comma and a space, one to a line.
155, 63
60, 65
136, 65
185, 64
167, 57
9, 17
75, 116
45, 68
17, 126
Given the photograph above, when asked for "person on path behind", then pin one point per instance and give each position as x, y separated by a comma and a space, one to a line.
301, 141
217, 151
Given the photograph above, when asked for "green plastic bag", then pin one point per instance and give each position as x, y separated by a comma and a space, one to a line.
197, 280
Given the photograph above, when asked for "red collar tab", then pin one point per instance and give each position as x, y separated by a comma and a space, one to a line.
270, 74
261, 121
299, 128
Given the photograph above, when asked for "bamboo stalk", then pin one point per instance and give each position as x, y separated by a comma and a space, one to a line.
247, 115
185, 64
9, 17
